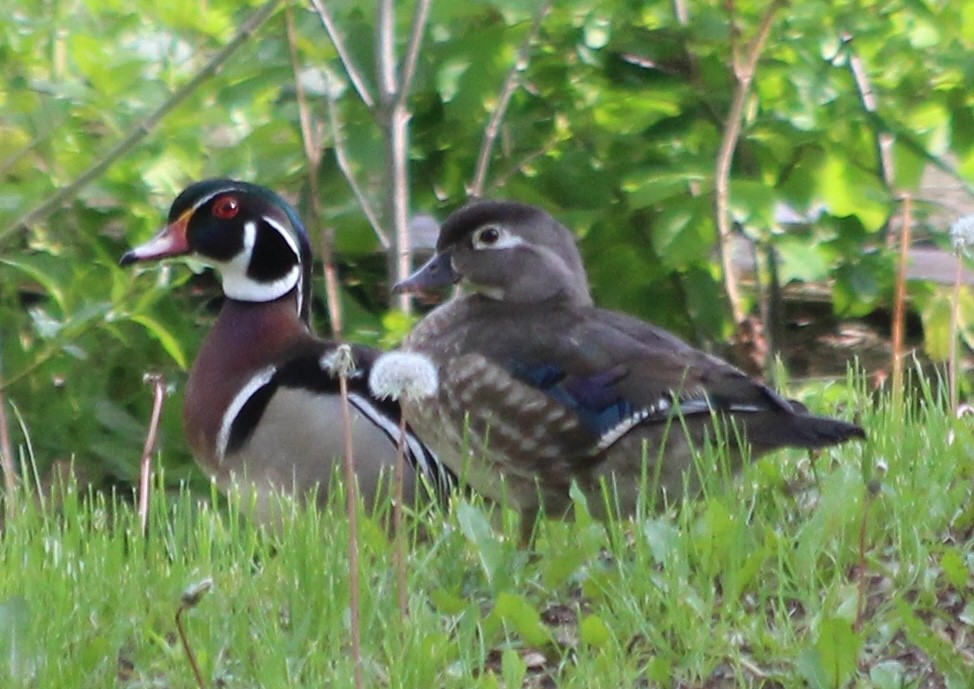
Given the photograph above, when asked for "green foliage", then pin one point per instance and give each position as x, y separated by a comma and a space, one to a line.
615, 127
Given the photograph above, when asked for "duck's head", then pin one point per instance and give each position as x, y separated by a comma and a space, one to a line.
252, 236
505, 251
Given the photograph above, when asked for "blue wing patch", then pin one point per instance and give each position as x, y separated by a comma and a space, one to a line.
593, 399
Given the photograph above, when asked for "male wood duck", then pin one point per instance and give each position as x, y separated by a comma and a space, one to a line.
262, 411
538, 387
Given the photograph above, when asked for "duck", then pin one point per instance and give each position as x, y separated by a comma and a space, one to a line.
539, 389
262, 411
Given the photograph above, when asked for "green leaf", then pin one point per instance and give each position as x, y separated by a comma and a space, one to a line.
833, 659
515, 611
490, 551
168, 340
801, 260
955, 568
684, 233
594, 631
848, 190
15, 619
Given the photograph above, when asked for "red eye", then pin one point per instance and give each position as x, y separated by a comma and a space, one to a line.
226, 207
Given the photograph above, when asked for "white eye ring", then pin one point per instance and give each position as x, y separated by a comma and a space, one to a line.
494, 237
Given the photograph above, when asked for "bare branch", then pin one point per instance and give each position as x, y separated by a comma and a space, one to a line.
309, 138
386, 51
503, 101
313, 152
341, 157
394, 119
351, 69
397, 143
681, 11
416, 33
884, 140
145, 127
732, 131
501, 180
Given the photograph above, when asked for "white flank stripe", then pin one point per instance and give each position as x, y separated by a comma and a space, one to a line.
262, 378
416, 454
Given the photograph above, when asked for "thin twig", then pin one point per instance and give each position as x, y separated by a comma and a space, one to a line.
504, 177
188, 649
341, 157
682, 12
342, 364
884, 140
732, 131
311, 139
146, 126
145, 468
899, 300
503, 102
351, 69
416, 34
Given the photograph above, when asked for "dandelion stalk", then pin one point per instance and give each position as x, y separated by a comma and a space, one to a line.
190, 599
340, 363
403, 377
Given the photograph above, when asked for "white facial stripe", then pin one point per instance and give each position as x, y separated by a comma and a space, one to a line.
205, 199
291, 242
287, 236
262, 378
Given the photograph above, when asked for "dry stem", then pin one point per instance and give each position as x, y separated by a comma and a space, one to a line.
744, 73
399, 545
310, 137
145, 469
351, 495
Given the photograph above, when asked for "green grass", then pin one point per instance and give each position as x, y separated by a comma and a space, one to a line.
852, 568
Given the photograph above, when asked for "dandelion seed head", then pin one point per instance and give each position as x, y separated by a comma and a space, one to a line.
403, 375
962, 234
339, 362
194, 592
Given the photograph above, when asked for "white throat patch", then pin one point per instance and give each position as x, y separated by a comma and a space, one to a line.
240, 286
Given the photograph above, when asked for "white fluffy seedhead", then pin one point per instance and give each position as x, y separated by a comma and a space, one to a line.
403, 375
962, 234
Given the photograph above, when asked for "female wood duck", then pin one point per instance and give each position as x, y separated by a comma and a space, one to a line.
262, 411
539, 388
